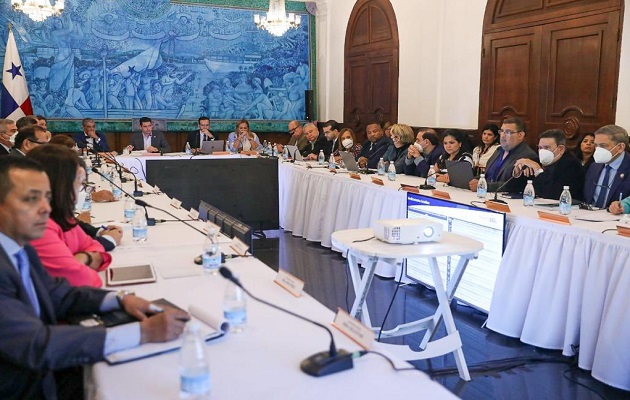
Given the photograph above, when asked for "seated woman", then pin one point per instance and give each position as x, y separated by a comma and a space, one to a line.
242, 139
489, 144
402, 137
584, 152
456, 148
65, 249
348, 142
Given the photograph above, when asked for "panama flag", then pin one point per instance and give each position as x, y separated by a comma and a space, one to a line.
16, 102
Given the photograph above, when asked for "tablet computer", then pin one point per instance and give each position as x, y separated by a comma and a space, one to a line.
130, 275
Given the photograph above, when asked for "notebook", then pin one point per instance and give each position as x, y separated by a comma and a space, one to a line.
460, 173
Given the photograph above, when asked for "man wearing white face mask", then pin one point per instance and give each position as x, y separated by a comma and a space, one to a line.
557, 168
607, 179
423, 153
7, 131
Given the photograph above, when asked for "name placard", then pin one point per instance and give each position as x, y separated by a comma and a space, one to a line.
156, 190
211, 228
193, 214
494, 206
377, 181
354, 175
176, 203
289, 282
557, 218
441, 194
354, 329
623, 230
239, 247
409, 188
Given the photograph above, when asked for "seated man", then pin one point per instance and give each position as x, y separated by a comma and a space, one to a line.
331, 133
91, 139
315, 142
500, 166
608, 178
151, 142
424, 153
7, 130
34, 346
375, 147
195, 138
27, 139
557, 168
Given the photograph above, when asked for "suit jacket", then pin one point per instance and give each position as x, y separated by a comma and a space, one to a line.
157, 140
378, 150
300, 142
3, 151
193, 139
567, 171
320, 144
32, 346
620, 183
422, 169
16, 153
81, 140
505, 172
332, 146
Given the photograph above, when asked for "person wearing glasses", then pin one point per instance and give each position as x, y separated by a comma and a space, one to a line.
65, 250
298, 138
557, 167
203, 134
27, 139
500, 166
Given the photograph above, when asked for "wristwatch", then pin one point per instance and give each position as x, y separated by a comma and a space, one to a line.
122, 294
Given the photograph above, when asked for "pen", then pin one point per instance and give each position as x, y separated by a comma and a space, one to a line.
620, 197
154, 308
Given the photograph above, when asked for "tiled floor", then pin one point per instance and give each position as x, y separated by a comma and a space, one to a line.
324, 273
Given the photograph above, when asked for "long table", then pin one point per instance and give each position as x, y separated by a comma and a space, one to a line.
261, 362
557, 286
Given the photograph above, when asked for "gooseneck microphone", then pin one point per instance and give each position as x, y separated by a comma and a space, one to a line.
144, 204
425, 186
496, 192
136, 192
319, 364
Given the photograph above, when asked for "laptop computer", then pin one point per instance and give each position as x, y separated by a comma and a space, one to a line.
294, 153
460, 173
351, 164
210, 146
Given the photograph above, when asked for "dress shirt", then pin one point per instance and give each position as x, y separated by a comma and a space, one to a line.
147, 141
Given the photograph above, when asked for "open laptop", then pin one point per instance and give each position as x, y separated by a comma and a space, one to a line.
294, 153
351, 164
210, 146
460, 173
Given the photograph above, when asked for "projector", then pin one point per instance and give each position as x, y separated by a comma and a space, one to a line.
407, 231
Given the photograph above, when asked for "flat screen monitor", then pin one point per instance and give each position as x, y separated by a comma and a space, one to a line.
487, 226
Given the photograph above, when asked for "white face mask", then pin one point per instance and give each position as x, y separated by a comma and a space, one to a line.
12, 139
347, 143
602, 156
418, 146
80, 196
545, 156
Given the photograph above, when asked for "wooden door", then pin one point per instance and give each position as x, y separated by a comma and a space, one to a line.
371, 65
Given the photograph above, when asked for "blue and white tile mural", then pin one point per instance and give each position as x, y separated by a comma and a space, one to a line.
120, 59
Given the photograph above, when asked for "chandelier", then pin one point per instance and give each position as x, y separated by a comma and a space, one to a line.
277, 22
38, 10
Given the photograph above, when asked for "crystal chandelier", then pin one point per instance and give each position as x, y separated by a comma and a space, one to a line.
38, 10
277, 22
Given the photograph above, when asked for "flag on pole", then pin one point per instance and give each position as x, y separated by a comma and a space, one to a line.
16, 101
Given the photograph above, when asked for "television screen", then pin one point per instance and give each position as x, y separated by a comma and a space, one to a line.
485, 225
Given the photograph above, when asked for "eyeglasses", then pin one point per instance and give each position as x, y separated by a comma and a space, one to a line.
86, 187
293, 130
33, 140
508, 132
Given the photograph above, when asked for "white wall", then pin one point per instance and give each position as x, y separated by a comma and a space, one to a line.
440, 61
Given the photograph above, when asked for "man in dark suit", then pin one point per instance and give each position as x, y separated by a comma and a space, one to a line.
151, 142
558, 168
89, 138
501, 164
195, 138
7, 129
27, 139
331, 133
315, 142
608, 178
375, 147
424, 153
35, 350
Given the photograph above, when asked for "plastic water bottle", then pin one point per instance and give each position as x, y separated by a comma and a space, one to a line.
285, 153
140, 230
116, 191
275, 150
88, 166
381, 167
211, 256
194, 370
529, 194
565, 201
130, 209
321, 160
482, 187
187, 149
431, 178
391, 171
235, 307
87, 203
331, 162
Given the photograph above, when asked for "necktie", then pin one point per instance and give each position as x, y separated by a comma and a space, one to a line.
25, 274
603, 191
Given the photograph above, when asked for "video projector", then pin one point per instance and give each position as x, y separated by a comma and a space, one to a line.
407, 231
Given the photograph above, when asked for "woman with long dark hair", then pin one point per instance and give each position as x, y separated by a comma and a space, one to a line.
489, 144
456, 148
585, 150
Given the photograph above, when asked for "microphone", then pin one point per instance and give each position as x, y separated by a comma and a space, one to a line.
136, 192
496, 192
425, 186
144, 204
319, 364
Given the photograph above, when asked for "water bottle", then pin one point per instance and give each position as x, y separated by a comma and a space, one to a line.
482, 187
116, 191
381, 167
194, 370
565, 201
130, 209
234, 307
285, 153
275, 150
88, 166
87, 203
139, 226
321, 160
529, 194
391, 171
187, 149
211, 256
331, 162
431, 178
